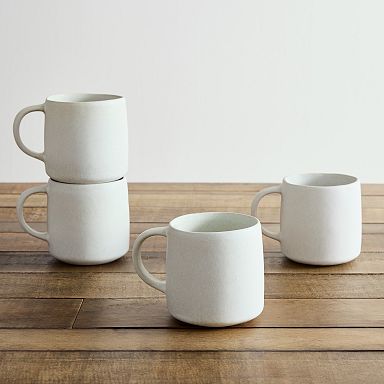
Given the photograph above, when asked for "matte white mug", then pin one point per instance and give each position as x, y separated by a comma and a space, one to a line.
214, 265
320, 218
87, 223
85, 137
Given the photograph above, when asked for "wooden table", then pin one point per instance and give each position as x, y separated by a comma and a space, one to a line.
101, 324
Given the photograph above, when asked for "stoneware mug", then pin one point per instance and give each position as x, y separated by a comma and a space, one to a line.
214, 265
87, 223
320, 218
85, 137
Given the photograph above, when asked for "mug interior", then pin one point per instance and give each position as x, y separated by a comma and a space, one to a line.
213, 222
320, 179
81, 98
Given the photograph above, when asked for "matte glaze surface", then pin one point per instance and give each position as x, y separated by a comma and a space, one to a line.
215, 273
87, 224
320, 221
85, 137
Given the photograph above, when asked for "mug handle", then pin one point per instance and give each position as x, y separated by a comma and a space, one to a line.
136, 255
255, 203
16, 130
20, 214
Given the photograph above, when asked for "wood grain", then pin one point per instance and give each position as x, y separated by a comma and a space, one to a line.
274, 262
18, 242
187, 367
166, 214
41, 313
121, 285
153, 313
124, 333
367, 189
186, 200
13, 227
191, 367
230, 339
137, 228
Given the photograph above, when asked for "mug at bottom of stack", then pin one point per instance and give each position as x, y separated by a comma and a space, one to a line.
87, 224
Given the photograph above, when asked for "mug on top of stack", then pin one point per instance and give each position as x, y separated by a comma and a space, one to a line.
86, 157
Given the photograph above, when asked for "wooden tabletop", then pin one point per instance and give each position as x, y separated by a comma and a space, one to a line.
101, 324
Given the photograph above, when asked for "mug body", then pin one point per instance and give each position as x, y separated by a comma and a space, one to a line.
86, 138
321, 221
215, 269
88, 223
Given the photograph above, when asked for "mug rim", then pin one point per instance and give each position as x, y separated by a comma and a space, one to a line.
254, 221
82, 98
346, 180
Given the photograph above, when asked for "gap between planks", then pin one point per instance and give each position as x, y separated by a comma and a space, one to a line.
77, 313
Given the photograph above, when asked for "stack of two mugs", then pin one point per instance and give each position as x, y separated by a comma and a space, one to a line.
86, 158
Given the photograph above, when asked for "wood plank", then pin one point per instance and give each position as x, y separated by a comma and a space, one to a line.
230, 339
190, 367
186, 199
38, 313
16, 187
367, 189
372, 263
19, 242
121, 285
36, 200
212, 200
137, 228
6, 188
31, 214
73, 285
166, 214
153, 313
9, 227
16, 242
366, 263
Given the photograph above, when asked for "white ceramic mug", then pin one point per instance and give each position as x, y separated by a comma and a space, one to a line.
214, 265
320, 218
85, 137
87, 223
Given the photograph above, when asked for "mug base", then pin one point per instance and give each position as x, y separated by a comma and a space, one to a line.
321, 263
217, 324
84, 180
87, 262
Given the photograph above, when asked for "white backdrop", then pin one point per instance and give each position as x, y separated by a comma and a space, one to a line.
217, 90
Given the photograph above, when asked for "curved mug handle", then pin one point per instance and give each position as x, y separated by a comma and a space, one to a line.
20, 214
255, 203
136, 255
16, 130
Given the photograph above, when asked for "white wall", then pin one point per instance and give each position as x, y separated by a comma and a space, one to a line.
217, 90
